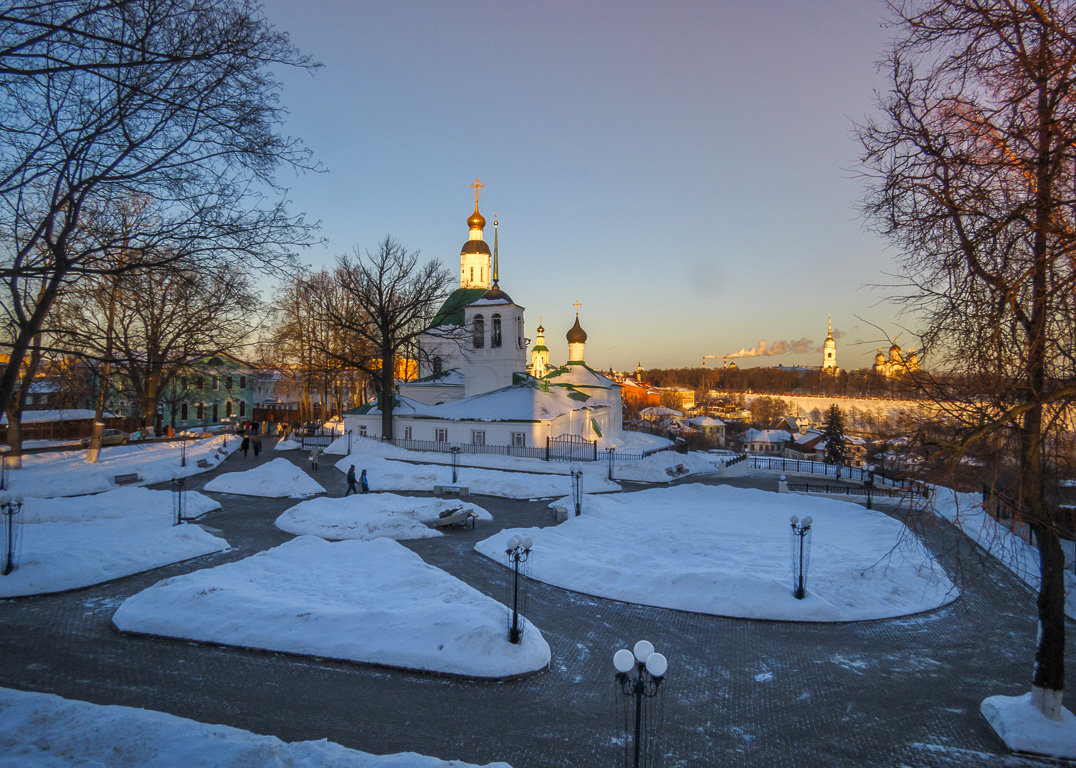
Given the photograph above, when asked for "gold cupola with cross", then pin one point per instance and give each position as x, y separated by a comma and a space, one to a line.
475, 255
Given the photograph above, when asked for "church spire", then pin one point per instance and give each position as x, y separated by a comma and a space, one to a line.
495, 270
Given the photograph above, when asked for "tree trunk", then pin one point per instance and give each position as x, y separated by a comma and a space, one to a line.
94, 452
387, 379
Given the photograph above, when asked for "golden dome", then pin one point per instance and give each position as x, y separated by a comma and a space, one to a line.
477, 220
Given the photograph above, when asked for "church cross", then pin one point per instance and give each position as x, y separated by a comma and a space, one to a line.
477, 187
577, 305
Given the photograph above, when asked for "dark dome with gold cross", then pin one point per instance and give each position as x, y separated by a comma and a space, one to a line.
576, 334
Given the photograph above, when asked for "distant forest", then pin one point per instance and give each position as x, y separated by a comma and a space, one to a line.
781, 381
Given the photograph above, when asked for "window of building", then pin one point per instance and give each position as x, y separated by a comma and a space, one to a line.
472, 274
407, 433
242, 407
478, 437
216, 411
199, 382
199, 411
362, 430
519, 439
440, 435
183, 412
228, 408
437, 364
242, 382
479, 332
495, 332
520, 344
229, 384
213, 383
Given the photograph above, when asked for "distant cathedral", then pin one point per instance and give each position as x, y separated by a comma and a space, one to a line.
897, 364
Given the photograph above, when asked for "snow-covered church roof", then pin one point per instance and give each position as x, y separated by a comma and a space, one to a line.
579, 375
530, 400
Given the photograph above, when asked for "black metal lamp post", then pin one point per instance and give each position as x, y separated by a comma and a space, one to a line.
612, 453
349, 442
649, 671
179, 499
455, 451
518, 551
869, 482
10, 508
577, 490
182, 452
801, 550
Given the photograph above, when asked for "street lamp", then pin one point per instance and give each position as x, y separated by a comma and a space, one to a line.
10, 508
517, 551
649, 671
611, 452
182, 452
577, 490
179, 499
349, 442
801, 552
455, 451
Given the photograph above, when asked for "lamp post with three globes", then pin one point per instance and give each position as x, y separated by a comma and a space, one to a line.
649, 670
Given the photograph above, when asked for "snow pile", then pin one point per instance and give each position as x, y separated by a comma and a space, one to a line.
636, 442
274, 479
369, 601
1024, 729
287, 445
400, 476
337, 447
665, 466
40, 729
72, 543
727, 551
66, 473
965, 511
130, 502
369, 516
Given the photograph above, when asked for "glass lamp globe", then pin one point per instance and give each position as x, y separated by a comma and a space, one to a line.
512, 543
657, 664
793, 519
808, 520
526, 541
623, 660
643, 649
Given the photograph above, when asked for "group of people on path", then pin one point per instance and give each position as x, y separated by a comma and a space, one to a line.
250, 441
352, 483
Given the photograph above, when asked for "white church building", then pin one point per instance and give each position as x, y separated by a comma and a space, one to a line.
475, 386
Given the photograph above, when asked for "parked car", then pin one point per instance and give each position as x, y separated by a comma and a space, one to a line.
108, 437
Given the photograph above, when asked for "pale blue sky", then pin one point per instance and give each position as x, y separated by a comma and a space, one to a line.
685, 170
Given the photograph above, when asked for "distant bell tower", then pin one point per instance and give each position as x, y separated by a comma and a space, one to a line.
829, 350
539, 355
475, 256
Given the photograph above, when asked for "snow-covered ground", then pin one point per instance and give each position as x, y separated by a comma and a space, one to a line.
274, 479
76, 542
66, 473
287, 445
965, 511
369, 601
727, 551
370, 516
388, 475
1024, 729
40, 730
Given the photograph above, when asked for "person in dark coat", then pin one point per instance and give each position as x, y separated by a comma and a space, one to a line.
351, 486
256, 441
364, 482
245, 444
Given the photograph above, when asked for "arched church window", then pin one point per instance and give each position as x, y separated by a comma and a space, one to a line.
519, 333
437, 364
479, 332
495, 333
472, 274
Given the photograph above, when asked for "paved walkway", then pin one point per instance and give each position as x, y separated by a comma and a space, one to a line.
738, 693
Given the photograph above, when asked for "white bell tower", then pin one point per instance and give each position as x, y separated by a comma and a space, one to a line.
829, 350
474, 256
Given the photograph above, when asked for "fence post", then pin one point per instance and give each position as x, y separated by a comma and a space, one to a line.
547, 448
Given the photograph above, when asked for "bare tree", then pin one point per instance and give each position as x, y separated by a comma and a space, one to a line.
172, 102
388, 299
975, 172
145, 329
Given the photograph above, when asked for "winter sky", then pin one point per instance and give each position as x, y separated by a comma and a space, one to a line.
686, 170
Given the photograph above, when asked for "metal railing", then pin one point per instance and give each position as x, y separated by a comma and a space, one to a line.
856, 490
585, 450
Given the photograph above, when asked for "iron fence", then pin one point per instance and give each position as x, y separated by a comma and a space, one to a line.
856, 490
554, 450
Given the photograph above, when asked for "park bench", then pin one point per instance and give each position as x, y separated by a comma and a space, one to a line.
127, 479
676, 471
203, 463
459, 490
456, 518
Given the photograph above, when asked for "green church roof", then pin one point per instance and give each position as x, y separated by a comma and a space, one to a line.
451, 312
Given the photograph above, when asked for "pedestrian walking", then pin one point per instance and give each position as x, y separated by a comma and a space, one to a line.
256, 441
245, 445
314, 458
351, 487
364, 482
